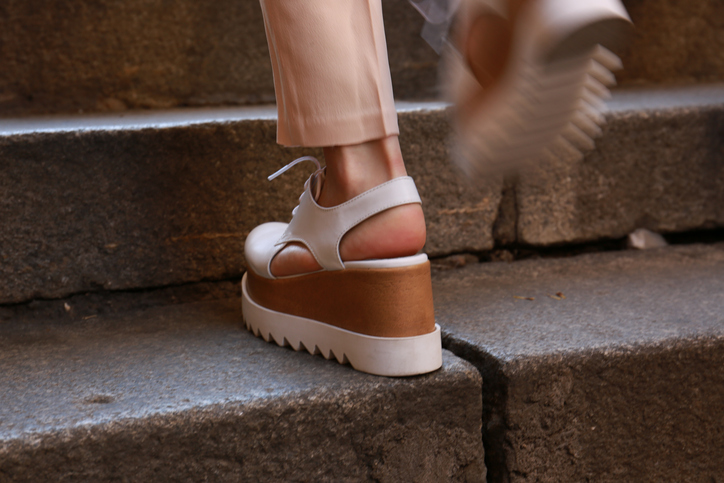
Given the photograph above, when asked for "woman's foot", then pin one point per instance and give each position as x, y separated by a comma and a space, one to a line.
527, 78
378, 316
352, 170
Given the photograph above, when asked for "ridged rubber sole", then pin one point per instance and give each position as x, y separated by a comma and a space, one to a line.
548, 100
383, 356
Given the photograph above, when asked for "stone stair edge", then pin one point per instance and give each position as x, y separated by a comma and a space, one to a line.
458, 370
464, 348
165, 118
578, 388
190, 375
625, 100
608, 270
124, 248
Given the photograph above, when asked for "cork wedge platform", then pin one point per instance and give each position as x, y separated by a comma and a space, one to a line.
375, 315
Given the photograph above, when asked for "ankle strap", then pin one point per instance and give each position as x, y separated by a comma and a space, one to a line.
321, 229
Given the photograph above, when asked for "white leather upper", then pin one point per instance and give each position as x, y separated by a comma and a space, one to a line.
259, 248
321, 229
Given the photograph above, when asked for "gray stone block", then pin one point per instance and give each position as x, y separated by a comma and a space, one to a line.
605, 367
117, 202
184, 393
168, 198
674, 41
105, 55
110, 56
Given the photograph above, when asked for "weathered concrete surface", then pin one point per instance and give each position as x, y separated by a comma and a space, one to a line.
659, 165
77, 307
674, 41
184, 393
621, 380
105, 55
143, 201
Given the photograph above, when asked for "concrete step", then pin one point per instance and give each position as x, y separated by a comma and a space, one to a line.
605, 367
127, 201
184, 393
102, 55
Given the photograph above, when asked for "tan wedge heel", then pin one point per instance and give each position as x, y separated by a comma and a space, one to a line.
384, 302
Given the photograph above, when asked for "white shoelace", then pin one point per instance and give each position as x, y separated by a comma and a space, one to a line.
294, 163
316, 180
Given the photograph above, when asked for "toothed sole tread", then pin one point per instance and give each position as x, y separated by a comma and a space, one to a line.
384, 356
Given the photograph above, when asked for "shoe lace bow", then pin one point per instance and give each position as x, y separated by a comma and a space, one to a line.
313, 183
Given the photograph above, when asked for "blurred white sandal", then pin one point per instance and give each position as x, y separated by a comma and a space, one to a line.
530, 78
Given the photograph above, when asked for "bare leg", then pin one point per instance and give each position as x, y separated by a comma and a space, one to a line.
352, 170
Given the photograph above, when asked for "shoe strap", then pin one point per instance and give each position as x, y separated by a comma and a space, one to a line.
321, 229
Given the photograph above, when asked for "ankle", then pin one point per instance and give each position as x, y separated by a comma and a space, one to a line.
352, 170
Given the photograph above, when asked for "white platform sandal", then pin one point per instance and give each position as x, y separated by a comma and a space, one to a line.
376, 315
550, 92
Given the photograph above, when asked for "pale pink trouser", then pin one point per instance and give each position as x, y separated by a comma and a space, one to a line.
331, 73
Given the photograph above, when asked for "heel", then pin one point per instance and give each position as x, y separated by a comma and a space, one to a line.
571, 28
384, 302
379, 321
549, 91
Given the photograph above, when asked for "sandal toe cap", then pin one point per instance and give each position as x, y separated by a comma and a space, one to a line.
260, 247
